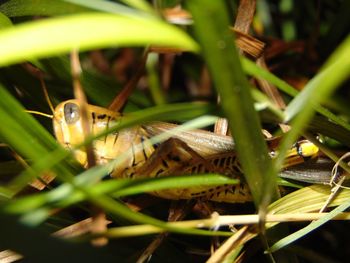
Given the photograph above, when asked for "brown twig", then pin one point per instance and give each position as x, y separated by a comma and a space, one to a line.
120, 100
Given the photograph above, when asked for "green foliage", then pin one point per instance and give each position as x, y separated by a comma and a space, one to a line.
44, 32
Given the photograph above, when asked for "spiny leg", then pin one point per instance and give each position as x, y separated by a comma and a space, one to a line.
171, 155
174, 157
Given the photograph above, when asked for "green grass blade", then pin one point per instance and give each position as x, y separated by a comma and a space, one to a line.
21, 131
302, 107
212, 29
312, 226
313, 198
15, 8
256, 71
65, 195
154, 83
336, 70
112, 7
30, 140
86, 31
139, 4
175, 182
4, 21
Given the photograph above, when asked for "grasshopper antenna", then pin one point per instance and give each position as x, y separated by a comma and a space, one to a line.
47, 98
40, 113
46, 94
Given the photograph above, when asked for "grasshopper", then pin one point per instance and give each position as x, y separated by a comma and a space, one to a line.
192, 152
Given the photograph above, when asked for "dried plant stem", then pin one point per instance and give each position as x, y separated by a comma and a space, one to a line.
219, 221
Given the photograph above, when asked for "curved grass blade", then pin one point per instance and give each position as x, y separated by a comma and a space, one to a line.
21, 131
174, 182
112, 7
314, 202
313, 198
139, 4
53, 36
312, 226
335, 71
256, 71
36, 208
212, 30
4, 21
302, 107
15, 8
29, 139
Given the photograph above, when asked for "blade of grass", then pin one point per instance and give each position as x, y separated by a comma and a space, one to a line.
302, 107
312, 226
212, 30
35, 209
21, 131
115, 208
313, 197
29, 139
112, 7
256, 71
4, 21
86, 31
15, 8
335, 71
153, 79
139, 4
175, 182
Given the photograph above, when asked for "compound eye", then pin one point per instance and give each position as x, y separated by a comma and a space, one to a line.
71, 113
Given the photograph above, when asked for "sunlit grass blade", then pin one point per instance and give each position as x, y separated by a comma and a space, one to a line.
86, 31
311, 227
312, 197
139, 230
175, 182
113, 7
342, 200
302, 107
336, 70
256, 71
36, 208
116, 208
139, 4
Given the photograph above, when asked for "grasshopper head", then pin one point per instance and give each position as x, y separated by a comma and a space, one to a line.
67, 123
68, 126
307, 149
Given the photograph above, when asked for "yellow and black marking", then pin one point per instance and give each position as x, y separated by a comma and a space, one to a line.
301, 152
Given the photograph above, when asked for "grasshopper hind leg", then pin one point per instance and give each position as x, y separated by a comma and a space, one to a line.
174, 157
